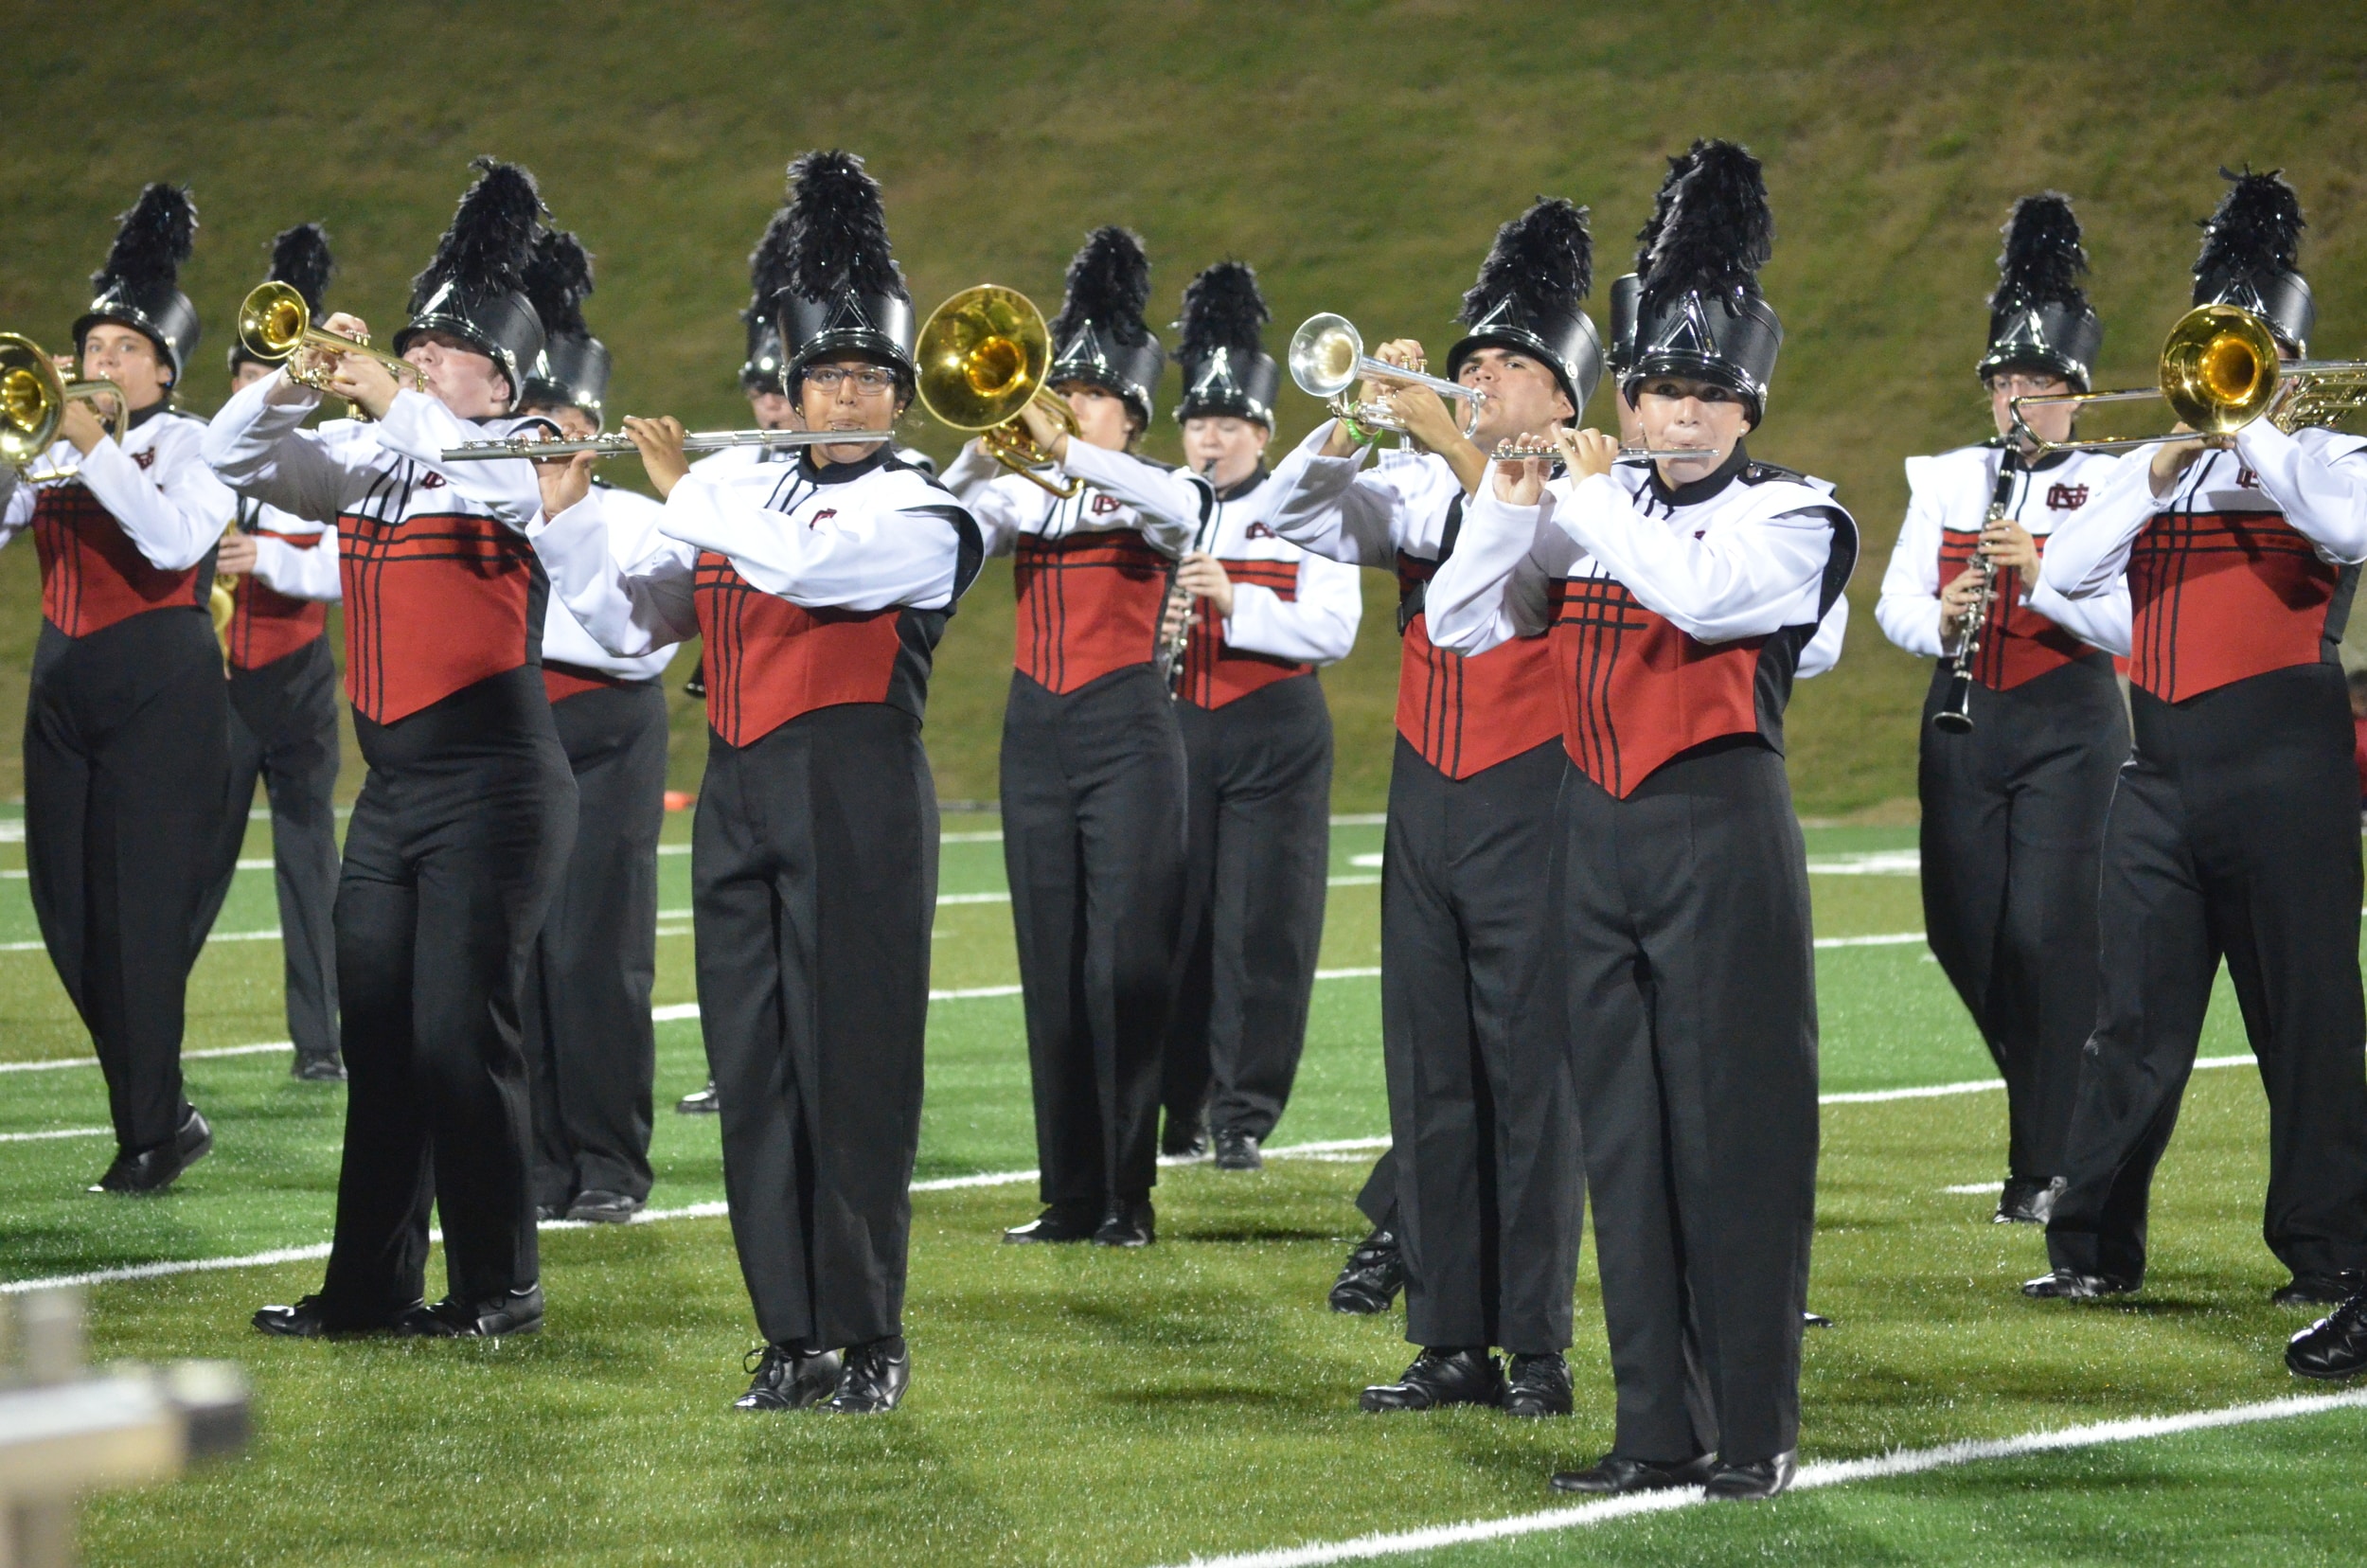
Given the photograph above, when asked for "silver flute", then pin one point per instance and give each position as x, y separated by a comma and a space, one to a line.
621, 446
1513, 447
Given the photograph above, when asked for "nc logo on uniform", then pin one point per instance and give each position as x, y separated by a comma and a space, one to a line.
821, 517
146, 458
2066, 497
2247, 479
432, 481
1259, 531
1104, 504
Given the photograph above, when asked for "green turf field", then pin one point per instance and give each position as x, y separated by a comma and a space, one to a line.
1077, 1406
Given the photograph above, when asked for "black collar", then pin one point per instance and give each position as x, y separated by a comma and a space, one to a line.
1693, 492
1234, 493
141, 415
839, 473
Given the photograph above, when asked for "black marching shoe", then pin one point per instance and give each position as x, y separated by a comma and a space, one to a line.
550, 1211
873, 1380
700, 1103
2026, 1202
1612, 1475
1440, 1378
1537, 1385
151, 1170
1183, 1139
309, 1318
512, 1313
1129, 1223
1056, 1223
1370, 1279
1754, 1482
322, 1067
604, 1208
789, 1379
2319, 1290
2335, 1345
2071, 1285
1239, 1152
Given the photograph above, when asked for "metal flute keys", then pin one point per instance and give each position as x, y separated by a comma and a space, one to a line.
1955, 715
1515, 447
621, 446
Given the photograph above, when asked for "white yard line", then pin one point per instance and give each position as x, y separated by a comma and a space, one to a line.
1819, 1473
58, 1132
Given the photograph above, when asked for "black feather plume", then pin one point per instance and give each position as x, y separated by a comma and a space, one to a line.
559, 280
838, 236
1680, 165
1223, 309
300, 258
491, 237
2256, 230
1718, 233
1544, 258
154, 239
770, 267
1109, 284
2042, 259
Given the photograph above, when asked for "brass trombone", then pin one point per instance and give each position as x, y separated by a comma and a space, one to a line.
1327, 357
982, 357
2219, 372
33, 398
275, 324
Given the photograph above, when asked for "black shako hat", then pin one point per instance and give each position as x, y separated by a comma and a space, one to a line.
839, 289
1098, 337
2038, 315
1531, 297
1700, 314
140, 285
299, 259
1620, 352
1226, 369
768, 275
2251, 246
573, 366
474, 286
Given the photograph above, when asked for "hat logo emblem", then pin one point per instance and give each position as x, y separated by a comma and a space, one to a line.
1689, 334
848, 315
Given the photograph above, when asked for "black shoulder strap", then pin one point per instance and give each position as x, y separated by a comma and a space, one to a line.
1413, 597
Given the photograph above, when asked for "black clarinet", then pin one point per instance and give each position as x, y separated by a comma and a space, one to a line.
1171, 650
1955, 715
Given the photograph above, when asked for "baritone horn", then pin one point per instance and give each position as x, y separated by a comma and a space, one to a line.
981, 356
34, 396
275, 324
1327, 357
2219, 372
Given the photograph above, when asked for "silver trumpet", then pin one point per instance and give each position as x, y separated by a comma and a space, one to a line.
621, 446
1327, 357
1514, 447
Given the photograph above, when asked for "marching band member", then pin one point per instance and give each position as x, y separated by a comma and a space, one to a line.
821, 589
460, 834
284, 708
1257, 742
2234, 831
126, 729
1485, 1159
591, 1046
1092, 780
1680, 594
2013, 810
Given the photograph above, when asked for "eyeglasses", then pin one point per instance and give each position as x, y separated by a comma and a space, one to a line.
871, 381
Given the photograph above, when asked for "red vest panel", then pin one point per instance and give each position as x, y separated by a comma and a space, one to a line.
92, 575
267, 625
1088, 604
1215, 675
1636, 691
767, 661
2220, 597
2017, 643
1465, 714
434, 604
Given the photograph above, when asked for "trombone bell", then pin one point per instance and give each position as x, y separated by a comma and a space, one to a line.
982, 357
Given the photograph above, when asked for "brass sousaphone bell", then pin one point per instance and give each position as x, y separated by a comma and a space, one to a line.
33, 398
981, 356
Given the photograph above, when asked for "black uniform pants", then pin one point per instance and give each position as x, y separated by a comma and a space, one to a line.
1093, 840
454, 850
814, 867
283, 730
1483, 1123
591, 1049
2013, 822
2234, 834
1692, 994
1256, 858
126, 741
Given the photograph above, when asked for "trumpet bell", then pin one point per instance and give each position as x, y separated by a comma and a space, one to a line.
2220, 369
273, 321
31, 402
982, 357
1325, 353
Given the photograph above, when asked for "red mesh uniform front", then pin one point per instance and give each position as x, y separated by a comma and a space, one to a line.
1636, 691
1465, 714
2017, 643
2220, 597
267, 625
434, 604
767, 661
1088, 604
92, 575
1215, 675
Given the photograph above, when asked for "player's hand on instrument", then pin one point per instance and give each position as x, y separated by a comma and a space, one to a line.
659, 442
1518, 472
2009, 544
1045, 430
1424, 414
235, 556
1588, 453
1203, 577
564, 481
1956, 602
1404, 353
79, 424
2171, 460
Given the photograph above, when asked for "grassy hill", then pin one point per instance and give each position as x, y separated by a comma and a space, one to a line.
1358, 154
